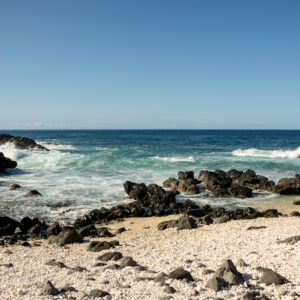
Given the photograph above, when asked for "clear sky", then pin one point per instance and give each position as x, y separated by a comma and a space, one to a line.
150, 64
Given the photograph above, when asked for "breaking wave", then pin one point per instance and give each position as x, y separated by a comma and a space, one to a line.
175, 158
268, 153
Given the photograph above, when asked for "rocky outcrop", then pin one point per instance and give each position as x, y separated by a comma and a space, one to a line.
20, 142
6, 163
288, 186
149, 196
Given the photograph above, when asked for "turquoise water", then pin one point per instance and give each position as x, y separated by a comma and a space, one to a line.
86, 169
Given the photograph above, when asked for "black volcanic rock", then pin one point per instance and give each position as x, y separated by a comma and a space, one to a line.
23, 143
6, 163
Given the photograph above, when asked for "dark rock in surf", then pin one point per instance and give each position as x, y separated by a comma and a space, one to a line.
14, 187
8, 226
239, 191
33, 193
21, 142
6, 163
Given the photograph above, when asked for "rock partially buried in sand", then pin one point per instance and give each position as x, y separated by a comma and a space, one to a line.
66, 236
269, 277
128, 261
96, 246
33, 193
48, 289
110, 256
291, 240
296, 202
181, 274
98, 294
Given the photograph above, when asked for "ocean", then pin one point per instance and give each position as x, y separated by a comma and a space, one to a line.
86, 169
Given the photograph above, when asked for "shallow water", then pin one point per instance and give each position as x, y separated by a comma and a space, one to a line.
86, 169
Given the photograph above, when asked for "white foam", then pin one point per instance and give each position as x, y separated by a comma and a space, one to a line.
268, 153
106, 149
175, 158
51, 146
9, 150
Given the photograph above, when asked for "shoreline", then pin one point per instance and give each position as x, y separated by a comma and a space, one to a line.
160, 251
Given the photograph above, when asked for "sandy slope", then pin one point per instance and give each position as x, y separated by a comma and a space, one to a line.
159, 251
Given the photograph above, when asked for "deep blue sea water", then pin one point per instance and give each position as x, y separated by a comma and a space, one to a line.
86, 168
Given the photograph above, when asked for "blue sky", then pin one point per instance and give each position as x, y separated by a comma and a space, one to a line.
150, 64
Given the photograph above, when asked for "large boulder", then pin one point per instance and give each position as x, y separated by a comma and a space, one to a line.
185, 175
21, 142
6, 163
288, 186
152, 195
7, 226
66, 236
239, 191
170, 183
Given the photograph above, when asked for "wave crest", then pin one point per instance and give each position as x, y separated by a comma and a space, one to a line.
268, 153
175, 158
9, 150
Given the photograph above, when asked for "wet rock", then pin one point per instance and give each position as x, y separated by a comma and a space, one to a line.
288, 186
33, 193
185, 175
89, 230
23, 143
99, 246
170, 183
181, 274
26, 223
238, 191
48, 289
216, 284
269, 277
193, 189
128, 261
37, 231
7, 226
54, 229
14, 187
169, 290
6, 163
110, 256
98, 294
66, 236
